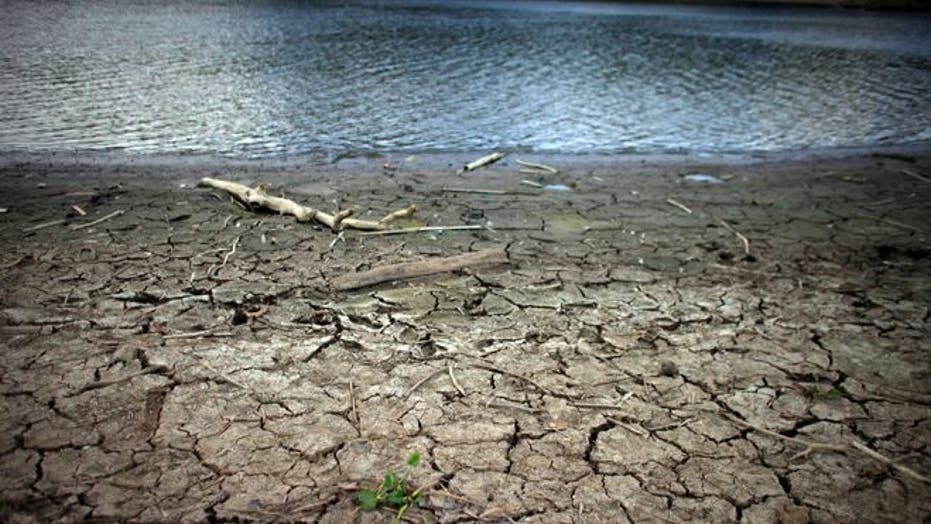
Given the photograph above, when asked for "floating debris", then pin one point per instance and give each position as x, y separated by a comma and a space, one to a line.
557, 187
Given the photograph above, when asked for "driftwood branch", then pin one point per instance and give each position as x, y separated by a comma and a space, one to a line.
406, 270
258, 197
481, 162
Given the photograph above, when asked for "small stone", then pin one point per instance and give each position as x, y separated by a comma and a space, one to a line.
668, 369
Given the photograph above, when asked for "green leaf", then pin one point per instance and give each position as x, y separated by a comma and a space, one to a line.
390, 482
413, 460
833, 394
367, 499
396, 498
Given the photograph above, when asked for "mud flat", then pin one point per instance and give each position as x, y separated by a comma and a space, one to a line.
660, 347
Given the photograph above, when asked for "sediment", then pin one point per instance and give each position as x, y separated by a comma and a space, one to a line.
636, 360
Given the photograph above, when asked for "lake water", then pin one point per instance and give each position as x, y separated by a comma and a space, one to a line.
271, 80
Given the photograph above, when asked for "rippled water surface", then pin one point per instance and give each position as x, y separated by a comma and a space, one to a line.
272, 79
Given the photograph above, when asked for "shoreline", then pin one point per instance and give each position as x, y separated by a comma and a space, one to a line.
439, 160
657, 347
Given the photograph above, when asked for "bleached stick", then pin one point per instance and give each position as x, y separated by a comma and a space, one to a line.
538, 167
481, 162
258, 197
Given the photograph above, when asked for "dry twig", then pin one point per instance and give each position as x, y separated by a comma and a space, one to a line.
738, 234
355, 410
99, 220
198, 334
889, 462
532, 382
538, 167
425, 229
678, 204
43, 225
421, 382
455, 382
407, 270
810, 447
916, 176
259, 197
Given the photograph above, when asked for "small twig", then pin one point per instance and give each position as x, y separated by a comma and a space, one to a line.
889, 462
583, 405
421, 382
231, 252
105, 383
424, 229
43, 225
739, 235
810, 447
455, 382
13, 263
629, 427
209, 251
339, 238
538, 167
478, 191
916, 176
77, 209
534, 383
518, 407
224, 376
199, 334
671, 425
99, 220
678, 204
531, 183
887, 221
355, 410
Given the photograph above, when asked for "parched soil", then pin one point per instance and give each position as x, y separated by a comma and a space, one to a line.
186, 360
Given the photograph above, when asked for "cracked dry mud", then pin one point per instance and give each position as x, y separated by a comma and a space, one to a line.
616, 371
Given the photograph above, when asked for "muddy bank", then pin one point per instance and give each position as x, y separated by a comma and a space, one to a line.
185, 359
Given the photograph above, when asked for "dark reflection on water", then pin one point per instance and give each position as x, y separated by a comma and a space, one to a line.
285, 78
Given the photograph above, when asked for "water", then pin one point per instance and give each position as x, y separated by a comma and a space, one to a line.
269, 80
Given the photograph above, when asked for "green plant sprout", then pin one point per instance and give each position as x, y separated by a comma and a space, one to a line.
393, 491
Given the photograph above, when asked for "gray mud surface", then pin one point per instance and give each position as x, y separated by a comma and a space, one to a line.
632, 363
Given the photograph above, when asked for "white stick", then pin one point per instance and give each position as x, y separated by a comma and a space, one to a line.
539, 167
424, 229
481, 162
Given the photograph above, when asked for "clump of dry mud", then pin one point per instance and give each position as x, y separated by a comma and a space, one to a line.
632, 363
